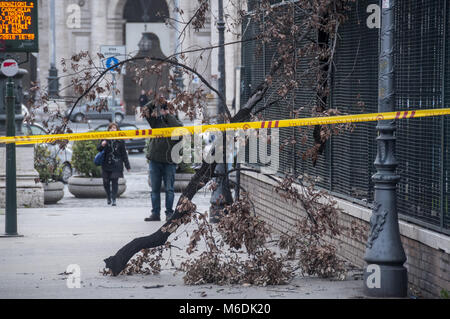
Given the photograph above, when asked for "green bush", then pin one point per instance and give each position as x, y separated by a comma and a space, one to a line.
83, 158
184, 168
48, 167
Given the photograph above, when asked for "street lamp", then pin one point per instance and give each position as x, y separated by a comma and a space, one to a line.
178, 73
385, 275
53, 84
221, 196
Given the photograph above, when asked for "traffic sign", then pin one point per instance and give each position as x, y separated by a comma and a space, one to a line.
113, 54
10, 67
111, 61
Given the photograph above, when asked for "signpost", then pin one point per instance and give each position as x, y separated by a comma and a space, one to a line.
18, 33
10, 68
113, 54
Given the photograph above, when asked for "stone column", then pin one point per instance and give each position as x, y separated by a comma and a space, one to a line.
98, 26
29, 193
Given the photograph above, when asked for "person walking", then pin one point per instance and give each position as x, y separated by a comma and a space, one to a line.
112, 168
161, 166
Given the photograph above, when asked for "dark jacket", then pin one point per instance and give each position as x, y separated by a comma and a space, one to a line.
160, 149
115, 156
143, 99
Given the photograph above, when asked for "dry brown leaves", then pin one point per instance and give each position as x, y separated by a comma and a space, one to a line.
220, 264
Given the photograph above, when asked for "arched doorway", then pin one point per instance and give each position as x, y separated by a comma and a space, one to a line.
148, 46
145, 34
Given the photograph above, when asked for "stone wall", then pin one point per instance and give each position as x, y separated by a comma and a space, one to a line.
427, 252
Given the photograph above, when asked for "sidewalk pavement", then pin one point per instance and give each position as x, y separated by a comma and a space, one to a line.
85, 231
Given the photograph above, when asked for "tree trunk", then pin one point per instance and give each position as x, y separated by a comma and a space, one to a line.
119, 261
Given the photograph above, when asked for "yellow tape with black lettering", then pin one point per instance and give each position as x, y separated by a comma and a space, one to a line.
179, 131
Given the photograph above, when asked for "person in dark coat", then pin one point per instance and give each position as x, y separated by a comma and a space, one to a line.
112, 168
143, 99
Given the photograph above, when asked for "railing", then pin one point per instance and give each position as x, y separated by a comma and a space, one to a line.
422, 81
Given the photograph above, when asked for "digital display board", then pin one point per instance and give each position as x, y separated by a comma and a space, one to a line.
19, 26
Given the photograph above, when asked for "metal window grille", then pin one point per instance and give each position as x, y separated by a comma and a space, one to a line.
355, 90
422, 52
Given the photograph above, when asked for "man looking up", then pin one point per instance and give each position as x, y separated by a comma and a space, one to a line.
161, 166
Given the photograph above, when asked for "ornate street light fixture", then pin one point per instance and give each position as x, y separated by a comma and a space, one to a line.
385, 275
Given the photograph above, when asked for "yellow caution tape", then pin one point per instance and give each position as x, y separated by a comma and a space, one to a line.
179, 131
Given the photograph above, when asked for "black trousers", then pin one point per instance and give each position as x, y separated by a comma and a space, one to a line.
108, 180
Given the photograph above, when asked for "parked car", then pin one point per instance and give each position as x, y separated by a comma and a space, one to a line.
133, 144
88, 111
65, 155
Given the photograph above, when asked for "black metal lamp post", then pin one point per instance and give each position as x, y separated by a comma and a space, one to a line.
221, 196
178, 72
222, 86
385, 275
53, 80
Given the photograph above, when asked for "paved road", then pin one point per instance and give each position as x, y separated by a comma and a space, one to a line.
85, 231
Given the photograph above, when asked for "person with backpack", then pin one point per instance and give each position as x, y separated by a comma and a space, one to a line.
115, 157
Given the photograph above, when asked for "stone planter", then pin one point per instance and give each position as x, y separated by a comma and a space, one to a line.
181, 181
87, 187
53, 192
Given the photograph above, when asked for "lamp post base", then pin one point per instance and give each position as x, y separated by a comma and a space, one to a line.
385, 281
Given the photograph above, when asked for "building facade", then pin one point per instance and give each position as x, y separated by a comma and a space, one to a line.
86, 25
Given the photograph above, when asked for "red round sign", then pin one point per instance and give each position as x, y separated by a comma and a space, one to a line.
10, 67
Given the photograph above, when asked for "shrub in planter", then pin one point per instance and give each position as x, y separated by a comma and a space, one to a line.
184, 168
83, 158
89, 184
49, 169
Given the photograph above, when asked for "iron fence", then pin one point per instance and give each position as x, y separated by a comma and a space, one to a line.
422, 81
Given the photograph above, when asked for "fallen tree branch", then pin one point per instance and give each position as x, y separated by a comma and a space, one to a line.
119, 261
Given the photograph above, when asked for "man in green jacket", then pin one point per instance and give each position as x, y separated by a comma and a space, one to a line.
161, 166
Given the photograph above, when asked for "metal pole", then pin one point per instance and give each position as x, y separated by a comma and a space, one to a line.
52, 29
113, 105
222, 85
178, 73
385, 275
53, 85
222, 194
11, 197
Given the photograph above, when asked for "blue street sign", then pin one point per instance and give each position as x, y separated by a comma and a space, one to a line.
110, 62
